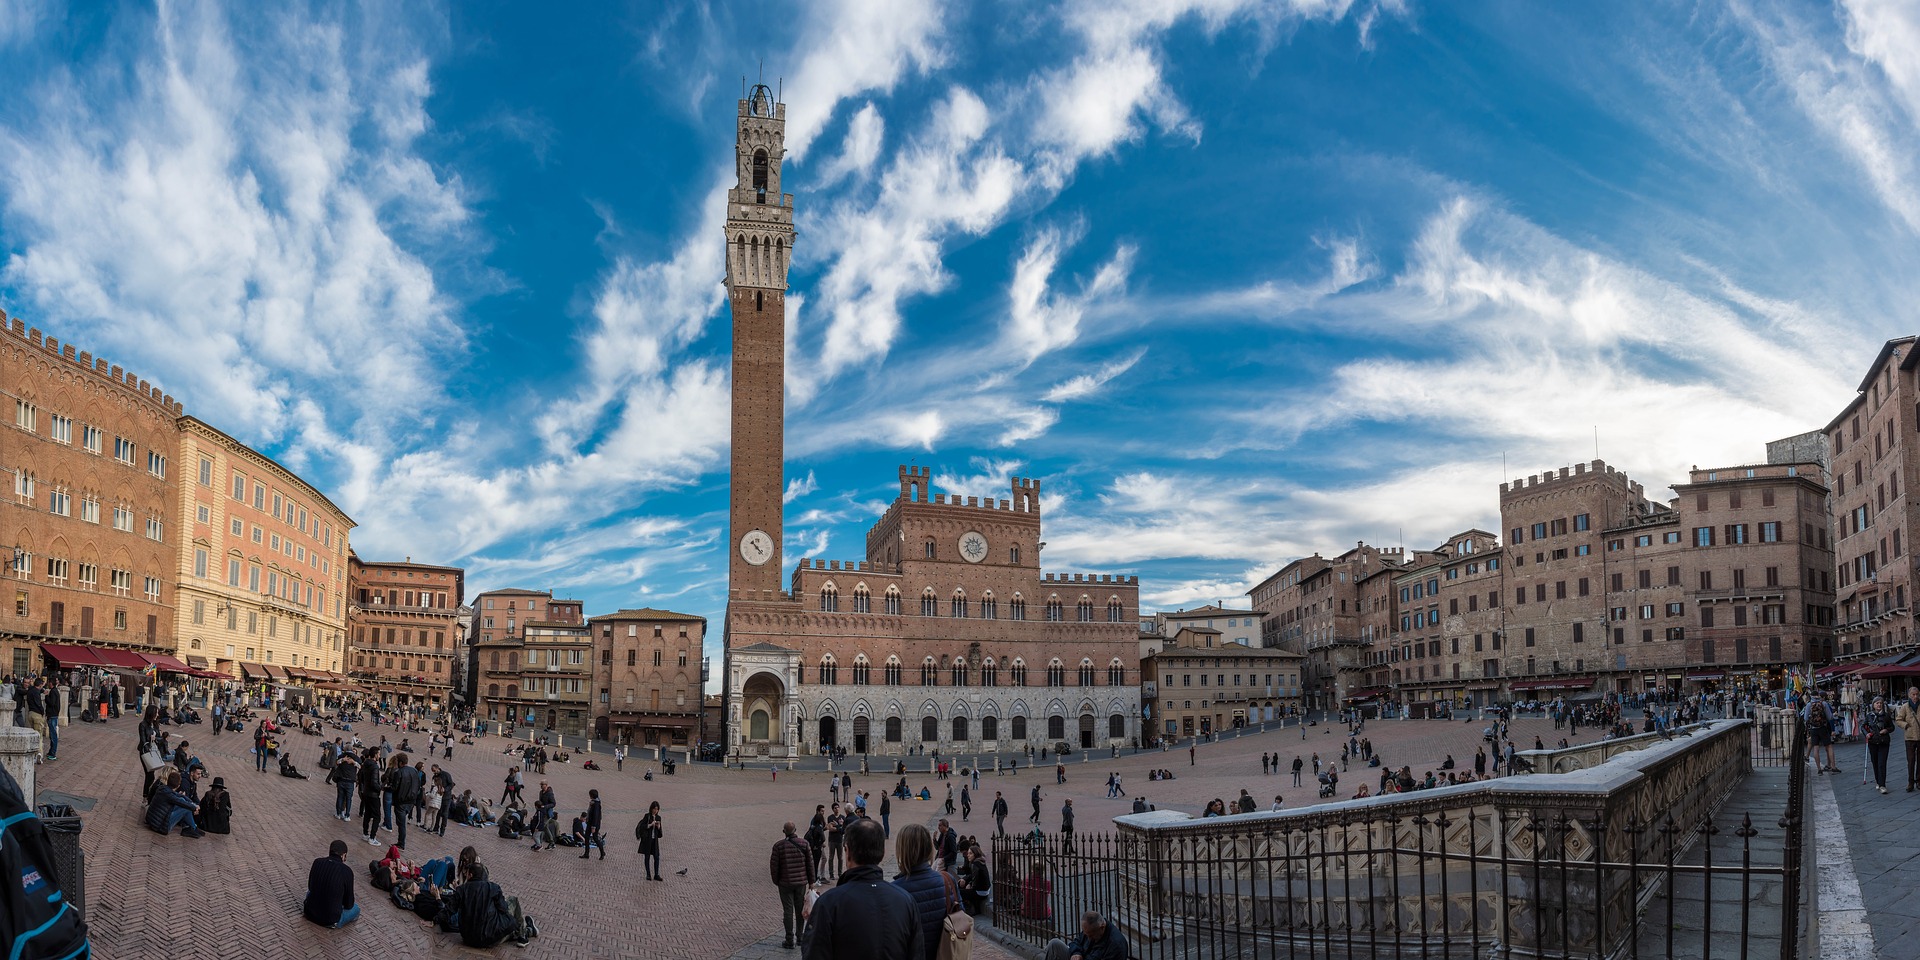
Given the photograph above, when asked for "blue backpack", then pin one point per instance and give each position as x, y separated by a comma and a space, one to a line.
38, 922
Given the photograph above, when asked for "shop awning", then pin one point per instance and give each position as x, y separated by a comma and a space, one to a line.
275, 672
71, 655
1366, 693
1703, 676
164, 662
1840, 669
1564, 683
119, 658
197, 662
253, 671
1904, 666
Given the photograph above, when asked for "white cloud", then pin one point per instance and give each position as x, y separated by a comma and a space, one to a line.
865, 133
1846, 99
1087, 384
853, 47
1040, 320
798, 487
237, 219
947, 181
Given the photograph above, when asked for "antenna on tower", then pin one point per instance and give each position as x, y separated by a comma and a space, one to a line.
743, 86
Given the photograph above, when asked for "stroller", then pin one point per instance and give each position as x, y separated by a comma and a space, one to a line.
1327, 785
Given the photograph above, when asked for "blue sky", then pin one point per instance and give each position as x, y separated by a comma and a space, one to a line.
1239, 281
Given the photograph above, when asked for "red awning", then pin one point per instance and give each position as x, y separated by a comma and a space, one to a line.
1906, 667
1833, 669
166, 663
209, 674
119, 658
70, 655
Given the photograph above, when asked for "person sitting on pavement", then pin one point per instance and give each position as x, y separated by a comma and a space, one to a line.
329, 900
288, 770
1097, 940
169, 808
216, 808
487, 916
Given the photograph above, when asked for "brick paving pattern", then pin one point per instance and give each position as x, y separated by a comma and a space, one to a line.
239, 895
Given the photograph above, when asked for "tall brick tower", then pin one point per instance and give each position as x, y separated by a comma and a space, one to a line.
759, 235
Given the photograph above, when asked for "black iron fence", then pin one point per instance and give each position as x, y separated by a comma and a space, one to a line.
1578, 874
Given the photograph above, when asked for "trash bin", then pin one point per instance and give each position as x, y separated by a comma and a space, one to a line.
62, 824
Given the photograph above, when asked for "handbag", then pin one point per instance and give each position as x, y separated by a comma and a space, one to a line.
956, 930
151, 759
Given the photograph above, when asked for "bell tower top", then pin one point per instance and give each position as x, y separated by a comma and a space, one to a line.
759, 217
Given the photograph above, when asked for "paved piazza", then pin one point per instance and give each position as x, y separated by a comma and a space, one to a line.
238, 895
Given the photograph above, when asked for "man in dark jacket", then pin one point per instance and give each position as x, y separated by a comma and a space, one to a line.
946, 846
409, 788
344, 775
329, 900
999, 814
864, 917
791, 866
168, 808
593, 828
487, 915
1097, 940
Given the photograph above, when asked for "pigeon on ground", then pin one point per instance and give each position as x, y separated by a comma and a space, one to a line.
680, 872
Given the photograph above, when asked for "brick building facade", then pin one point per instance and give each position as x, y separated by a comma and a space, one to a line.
947, 635
1239, 685
532, 660
90, 526
1597, 590
403, 625
1875, 462
1313, 606
649, 677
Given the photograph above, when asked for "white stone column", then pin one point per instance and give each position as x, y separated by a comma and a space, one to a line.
19, 751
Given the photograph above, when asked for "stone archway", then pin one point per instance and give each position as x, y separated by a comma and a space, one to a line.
763, 727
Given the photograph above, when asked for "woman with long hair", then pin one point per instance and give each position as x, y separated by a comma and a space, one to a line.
927, 887
648, 833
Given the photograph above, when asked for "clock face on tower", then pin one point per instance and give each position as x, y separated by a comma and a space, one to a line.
973, 546
756, 547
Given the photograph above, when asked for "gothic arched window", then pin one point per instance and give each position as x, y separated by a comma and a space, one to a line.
760, 175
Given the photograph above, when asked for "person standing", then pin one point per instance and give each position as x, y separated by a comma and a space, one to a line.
1035, 817
924, 879
836, 830
594, 835
52, 704
1877, 724
329, 900
1066, 827
791, 866
619, 758
260, 747
886, 814
648, 833
344, 776
946, 846
369, 784
218, 717
1908, 718
409, 784
864, 917
999, 814
1298, 765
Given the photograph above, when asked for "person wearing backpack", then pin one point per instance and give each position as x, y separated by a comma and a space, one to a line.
487, 915
37, 919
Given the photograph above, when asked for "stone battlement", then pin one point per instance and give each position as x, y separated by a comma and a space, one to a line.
1579, 472
95, 365
916, 486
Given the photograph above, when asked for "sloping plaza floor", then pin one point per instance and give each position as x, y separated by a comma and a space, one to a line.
238, 895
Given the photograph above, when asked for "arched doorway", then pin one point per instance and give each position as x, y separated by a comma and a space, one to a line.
553, 719
1086, 731
861, 728
829, 734
762, 702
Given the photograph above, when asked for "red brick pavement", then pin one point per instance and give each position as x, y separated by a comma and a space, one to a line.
238, 895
